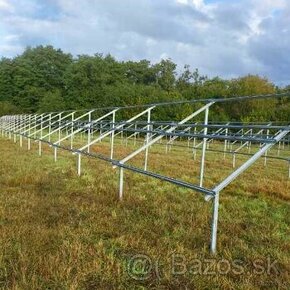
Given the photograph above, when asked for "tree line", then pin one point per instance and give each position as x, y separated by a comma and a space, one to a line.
45, 79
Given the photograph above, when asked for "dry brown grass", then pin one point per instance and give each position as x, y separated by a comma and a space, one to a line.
60, 231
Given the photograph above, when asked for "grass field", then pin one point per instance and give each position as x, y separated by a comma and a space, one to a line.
61, 231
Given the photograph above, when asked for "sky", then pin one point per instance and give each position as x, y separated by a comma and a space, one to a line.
223, 38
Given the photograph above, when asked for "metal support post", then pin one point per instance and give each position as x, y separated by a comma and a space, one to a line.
89, 131
203, 149
226, 143
121, 183
71, 131
49, 128
39, 143
147, 139
214, 223
113, 134
79, 164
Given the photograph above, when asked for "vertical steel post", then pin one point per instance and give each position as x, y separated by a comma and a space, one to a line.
135, 135
59, 124
55, 153
234, 160
79, 164
203, 149
21, 128
113, 135
49, 128
89, 131
72, 131
214, 223
28, 140
147, 139
34, 128
226, 143
121, 183
194, 144
250, 143
39, 143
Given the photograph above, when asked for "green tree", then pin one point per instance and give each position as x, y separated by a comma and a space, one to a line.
52, 101
254, 110
6, 108
46, 79
165, 74
37, 71
6, 79
140, 72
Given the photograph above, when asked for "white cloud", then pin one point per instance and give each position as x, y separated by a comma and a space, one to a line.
182, 1
221, 38
198, 3
5, 6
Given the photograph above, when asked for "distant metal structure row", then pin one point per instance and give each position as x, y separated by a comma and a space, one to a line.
84, 128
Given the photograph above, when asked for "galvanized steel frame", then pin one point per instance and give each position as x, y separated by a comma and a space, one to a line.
34, 126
